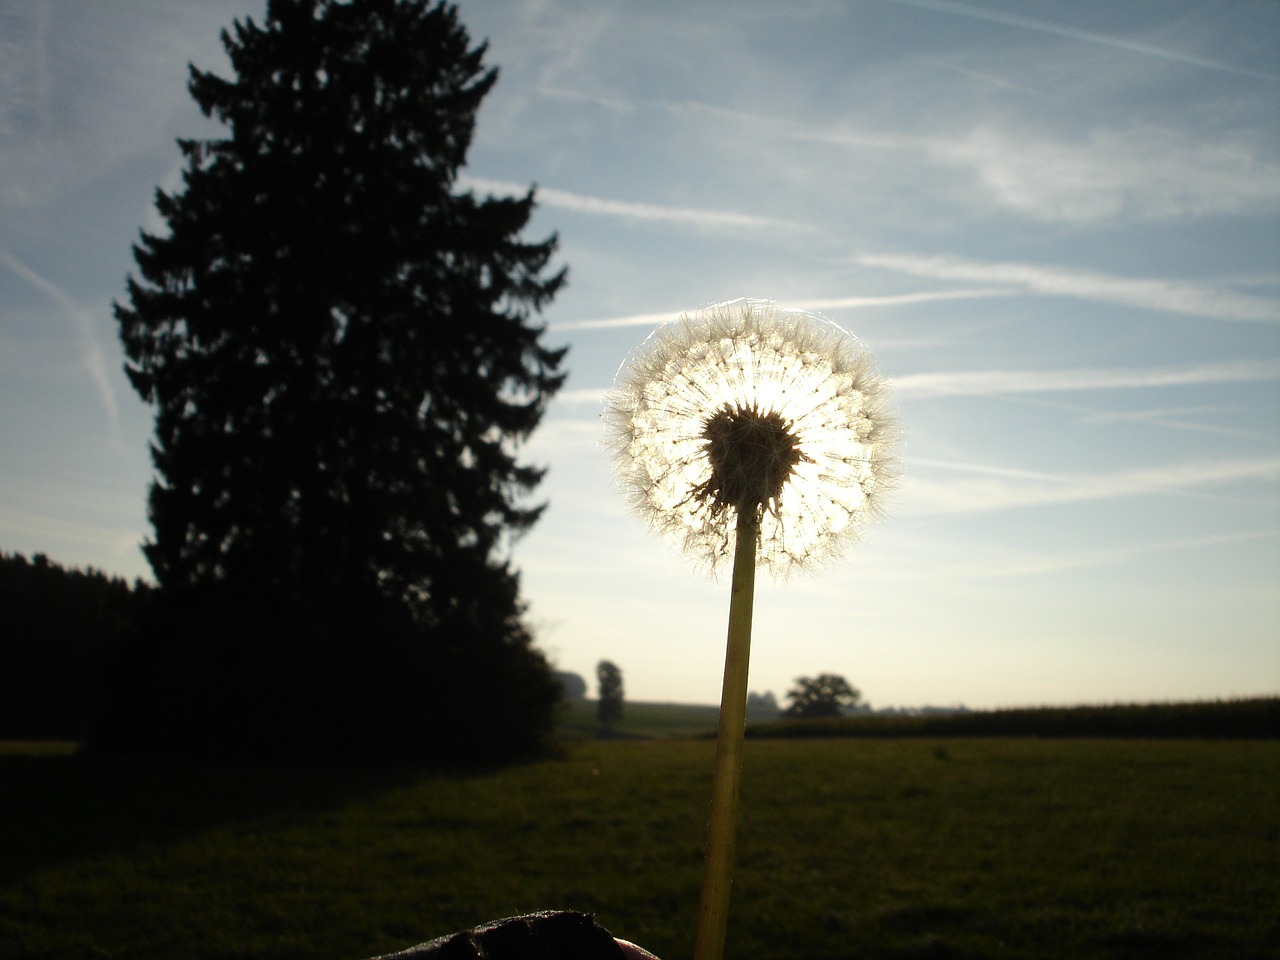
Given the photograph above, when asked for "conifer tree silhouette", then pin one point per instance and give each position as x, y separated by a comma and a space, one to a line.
343, 351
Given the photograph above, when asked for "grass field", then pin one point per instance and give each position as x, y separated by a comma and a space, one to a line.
957, 848
640, 720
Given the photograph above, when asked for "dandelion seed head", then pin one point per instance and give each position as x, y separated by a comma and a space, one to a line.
751, 407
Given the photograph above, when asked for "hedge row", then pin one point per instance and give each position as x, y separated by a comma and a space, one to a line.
1251, 718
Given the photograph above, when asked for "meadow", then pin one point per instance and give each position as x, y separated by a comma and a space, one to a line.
902, 848
639, 720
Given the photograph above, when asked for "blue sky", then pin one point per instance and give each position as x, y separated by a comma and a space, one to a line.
1056, 224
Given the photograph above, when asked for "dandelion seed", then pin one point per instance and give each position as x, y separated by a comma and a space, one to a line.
748, 407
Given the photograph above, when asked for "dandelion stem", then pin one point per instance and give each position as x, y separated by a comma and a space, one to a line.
713, 914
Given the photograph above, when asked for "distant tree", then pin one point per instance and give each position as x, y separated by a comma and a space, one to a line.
609, 705
762, 704
343, 356
826, 695
574, 687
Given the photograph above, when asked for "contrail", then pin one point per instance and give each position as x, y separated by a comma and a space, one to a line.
1043, 26
625, 209
997, 382
835, 303
1176, 296
92, 357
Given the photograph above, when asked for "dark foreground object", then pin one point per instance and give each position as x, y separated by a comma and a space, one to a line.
553, 935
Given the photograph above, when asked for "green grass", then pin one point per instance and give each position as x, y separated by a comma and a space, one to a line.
890, 849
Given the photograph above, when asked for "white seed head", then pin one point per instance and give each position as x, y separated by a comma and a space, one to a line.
751, 406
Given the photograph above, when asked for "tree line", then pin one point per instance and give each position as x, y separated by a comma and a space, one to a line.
61, 629
1242, 718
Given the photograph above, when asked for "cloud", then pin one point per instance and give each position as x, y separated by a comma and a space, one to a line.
594, 397
784, 128
987, 79
995, 382
86, 90
39, 527
1173, 296
631, 320
26, 156
1140, 169
91, 353
1009, 564
996, 489
833, 303
627, 210
1143, 170
900, 299
1172, 417
25, 81
1087, 36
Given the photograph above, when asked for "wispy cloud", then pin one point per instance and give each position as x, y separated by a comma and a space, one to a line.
785, 128
1109, 171
986, 78
1174, 296
1012, 564
994, 489
25, 81
1004, 383
1175, 418
999, 383
83, 91
1140, 170
830, 303
902, 299
78, 509
46, 527
581, 396
1087, 36
627, 210
91, 353
631, 320
996, 382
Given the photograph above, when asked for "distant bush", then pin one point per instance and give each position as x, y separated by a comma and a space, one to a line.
572, 685
1244, 719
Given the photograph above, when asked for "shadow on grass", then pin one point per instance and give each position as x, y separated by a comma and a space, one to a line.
60, 807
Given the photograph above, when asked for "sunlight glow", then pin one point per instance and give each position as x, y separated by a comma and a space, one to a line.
755, 356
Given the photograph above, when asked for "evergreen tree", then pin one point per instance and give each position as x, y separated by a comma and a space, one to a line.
342, 350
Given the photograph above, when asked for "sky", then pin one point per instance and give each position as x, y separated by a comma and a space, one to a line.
1056, 224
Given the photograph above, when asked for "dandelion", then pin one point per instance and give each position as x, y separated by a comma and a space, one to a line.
749, 408
752, 431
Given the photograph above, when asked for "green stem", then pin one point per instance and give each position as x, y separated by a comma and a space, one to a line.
717, 873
